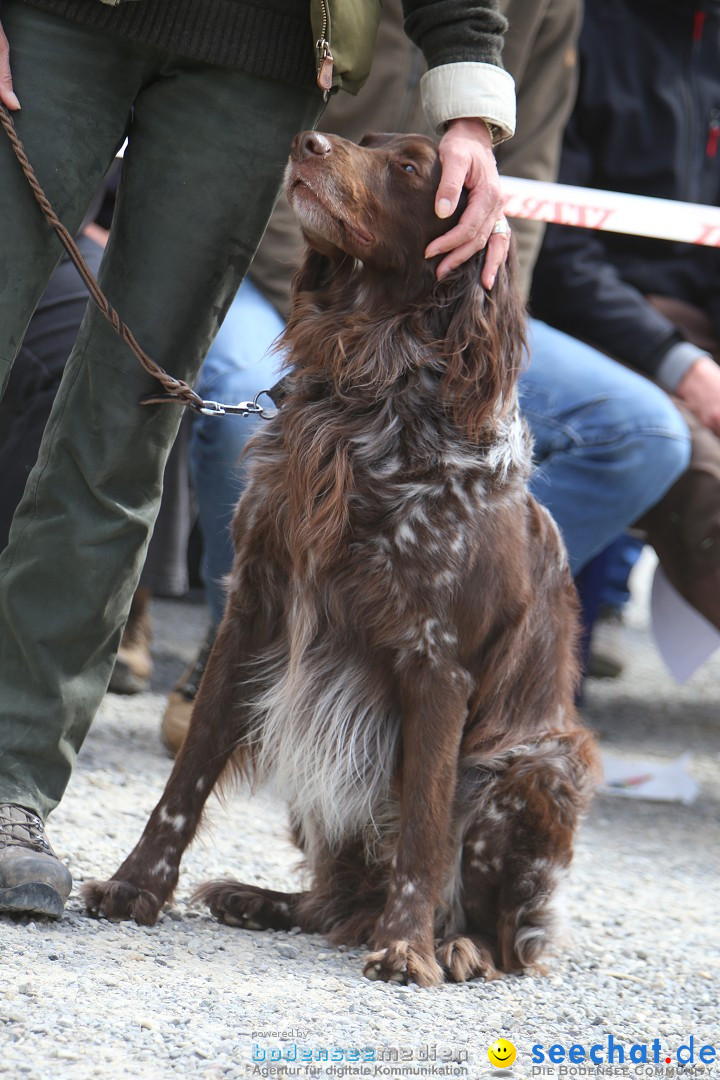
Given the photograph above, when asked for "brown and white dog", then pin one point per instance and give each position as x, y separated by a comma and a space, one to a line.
398, 649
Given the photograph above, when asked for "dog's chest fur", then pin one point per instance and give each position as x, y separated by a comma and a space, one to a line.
381, 598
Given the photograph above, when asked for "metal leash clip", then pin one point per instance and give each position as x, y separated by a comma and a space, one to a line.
214, 408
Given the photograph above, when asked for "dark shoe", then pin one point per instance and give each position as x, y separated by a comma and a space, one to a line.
176, 718
133, 665
33, 881
608, 647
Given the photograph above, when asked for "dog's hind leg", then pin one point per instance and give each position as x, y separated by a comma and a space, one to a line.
520, 846
252, 907
147, 878
546, 791
348, 893
467, 956
344, 902
249, 906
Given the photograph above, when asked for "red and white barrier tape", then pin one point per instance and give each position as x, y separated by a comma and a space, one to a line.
611, 211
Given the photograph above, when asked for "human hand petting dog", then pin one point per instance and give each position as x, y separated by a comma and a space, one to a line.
7, 95
468, 161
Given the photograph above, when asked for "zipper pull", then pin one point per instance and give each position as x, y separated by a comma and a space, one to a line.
324, 61
713, 134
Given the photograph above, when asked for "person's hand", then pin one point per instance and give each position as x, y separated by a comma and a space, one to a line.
699, 388
7, 96
468, 161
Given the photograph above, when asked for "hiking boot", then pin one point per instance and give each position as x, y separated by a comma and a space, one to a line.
33, 881
133, 665
608, 647
176, 718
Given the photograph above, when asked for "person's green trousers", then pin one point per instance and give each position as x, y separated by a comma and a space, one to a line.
207, 147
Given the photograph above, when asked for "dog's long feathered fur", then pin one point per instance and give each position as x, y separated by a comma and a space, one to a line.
398, 648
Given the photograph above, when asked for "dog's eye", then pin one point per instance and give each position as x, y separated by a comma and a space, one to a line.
409, 167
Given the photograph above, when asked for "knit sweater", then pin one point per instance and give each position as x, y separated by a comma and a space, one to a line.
269, 38
273, 38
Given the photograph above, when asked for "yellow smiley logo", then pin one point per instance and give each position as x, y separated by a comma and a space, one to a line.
502, 1053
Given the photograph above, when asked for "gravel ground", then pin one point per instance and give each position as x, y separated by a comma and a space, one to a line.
84, 998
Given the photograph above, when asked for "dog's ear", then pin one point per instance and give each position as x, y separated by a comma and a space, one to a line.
482, 339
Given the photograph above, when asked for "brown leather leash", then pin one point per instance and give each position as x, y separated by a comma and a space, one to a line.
177, 391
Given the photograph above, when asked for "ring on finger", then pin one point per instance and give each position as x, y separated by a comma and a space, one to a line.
501, 226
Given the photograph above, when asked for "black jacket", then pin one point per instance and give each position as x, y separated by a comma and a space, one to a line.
647, 121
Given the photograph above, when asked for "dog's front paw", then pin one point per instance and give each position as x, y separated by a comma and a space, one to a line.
402, 963
121, 900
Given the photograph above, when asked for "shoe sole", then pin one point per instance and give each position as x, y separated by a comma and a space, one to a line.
34, 898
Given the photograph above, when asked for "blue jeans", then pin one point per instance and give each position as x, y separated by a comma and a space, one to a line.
236, 368
620, 559
608, 443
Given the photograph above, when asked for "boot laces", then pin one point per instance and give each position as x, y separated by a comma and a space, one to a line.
21, 828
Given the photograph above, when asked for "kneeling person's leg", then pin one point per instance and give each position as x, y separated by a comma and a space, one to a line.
608, 443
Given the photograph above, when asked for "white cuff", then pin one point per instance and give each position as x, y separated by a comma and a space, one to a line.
486, 91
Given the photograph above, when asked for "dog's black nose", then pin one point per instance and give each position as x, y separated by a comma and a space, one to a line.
310, 144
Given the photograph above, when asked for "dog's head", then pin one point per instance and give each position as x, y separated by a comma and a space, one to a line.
368, 213
374, 201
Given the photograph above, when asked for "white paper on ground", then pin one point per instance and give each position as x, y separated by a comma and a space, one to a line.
639, 778
684, 637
